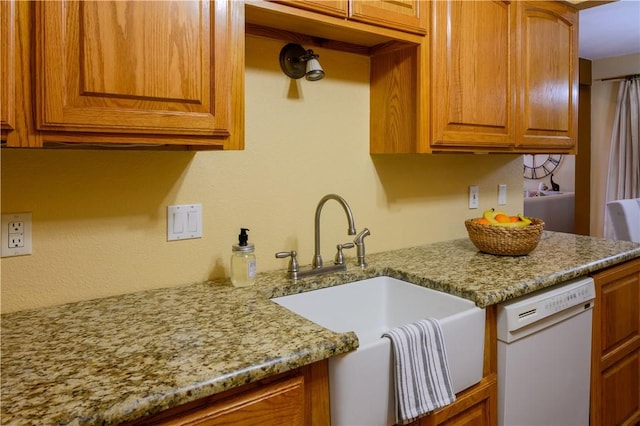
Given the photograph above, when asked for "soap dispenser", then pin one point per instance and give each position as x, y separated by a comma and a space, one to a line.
243, 261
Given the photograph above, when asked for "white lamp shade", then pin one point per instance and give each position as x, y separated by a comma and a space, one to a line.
314, 70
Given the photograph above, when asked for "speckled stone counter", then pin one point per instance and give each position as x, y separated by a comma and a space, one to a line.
109, 360
457, 267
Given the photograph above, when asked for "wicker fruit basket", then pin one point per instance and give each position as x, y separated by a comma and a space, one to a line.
505, 241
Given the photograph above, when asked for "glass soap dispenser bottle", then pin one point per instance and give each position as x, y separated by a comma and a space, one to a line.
243, 261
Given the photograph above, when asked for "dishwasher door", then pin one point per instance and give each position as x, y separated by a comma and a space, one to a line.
544, 357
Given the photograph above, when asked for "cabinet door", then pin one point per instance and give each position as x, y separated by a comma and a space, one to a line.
615, 371
295, 398
7, 66
154, 67
475, 406
547, 75
277, 404
330, 7
472, 100
404, 15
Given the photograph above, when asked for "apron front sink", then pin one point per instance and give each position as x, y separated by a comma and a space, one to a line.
361, 382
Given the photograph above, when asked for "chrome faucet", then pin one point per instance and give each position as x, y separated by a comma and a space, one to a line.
295, 271
317, 258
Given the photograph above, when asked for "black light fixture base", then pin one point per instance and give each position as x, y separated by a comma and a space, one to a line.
290, 63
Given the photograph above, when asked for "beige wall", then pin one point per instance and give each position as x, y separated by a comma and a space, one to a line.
100, 216
604, 95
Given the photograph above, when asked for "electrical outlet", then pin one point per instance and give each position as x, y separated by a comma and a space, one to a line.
16, 240
474, 196
16, 234
16, 227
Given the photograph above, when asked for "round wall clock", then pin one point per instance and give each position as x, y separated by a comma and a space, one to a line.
537, 166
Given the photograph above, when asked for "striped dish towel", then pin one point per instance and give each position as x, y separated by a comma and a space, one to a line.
422, 378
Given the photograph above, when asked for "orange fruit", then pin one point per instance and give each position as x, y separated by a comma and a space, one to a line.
482, 221
513, 218
502, 218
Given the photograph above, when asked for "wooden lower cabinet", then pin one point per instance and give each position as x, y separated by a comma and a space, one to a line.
296, 398
475, 406
615, 371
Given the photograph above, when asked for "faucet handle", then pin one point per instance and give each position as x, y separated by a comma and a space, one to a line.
339, 259
359, 242
293, 263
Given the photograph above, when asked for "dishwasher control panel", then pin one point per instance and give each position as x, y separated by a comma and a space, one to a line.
552, 304
567, 299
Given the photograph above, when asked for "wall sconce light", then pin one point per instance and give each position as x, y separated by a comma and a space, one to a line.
297, 62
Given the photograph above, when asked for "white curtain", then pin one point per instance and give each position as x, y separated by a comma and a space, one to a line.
623, 179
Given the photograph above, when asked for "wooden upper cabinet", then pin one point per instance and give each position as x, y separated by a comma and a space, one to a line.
137, 67
7, 66
495, 76
547, 75
472, 74
405, 15
330, 7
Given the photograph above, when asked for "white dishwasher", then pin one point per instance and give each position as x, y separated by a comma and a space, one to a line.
544, 356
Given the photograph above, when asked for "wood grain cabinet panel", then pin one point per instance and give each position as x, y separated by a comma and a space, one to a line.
296, 398
132, 67
494, 76
393, 102
276, 404
547, 75
150, 73
338, 8
7, 65
620, 391
473, 74
404, 15
475, 406
615, 370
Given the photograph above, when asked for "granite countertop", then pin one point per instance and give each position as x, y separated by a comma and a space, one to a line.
110, 360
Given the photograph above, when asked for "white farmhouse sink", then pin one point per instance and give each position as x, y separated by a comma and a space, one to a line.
361, 382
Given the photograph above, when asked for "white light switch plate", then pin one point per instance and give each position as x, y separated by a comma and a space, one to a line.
184, 222
502, 194
474, 196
